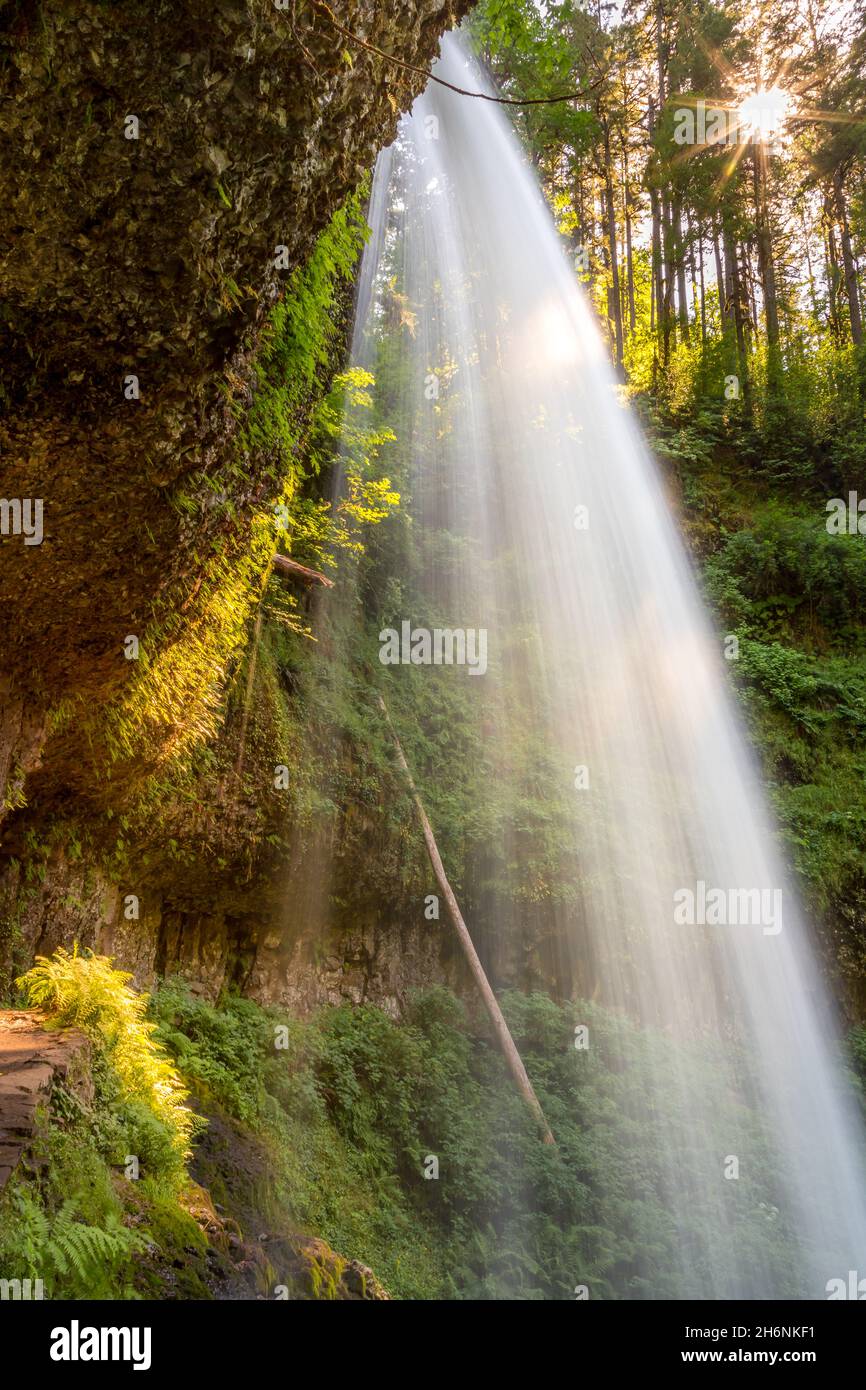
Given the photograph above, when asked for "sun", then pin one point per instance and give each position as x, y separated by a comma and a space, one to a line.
764, 112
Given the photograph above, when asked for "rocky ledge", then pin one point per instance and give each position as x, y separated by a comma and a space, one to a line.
32, 1061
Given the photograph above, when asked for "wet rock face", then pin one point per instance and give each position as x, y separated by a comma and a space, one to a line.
153, 156
155, 151
271, 937
31, 1062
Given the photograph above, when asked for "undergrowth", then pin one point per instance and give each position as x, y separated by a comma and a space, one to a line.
99, 1208
402, 1144
346, 1110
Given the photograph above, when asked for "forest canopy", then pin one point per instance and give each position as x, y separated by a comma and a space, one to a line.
711, 186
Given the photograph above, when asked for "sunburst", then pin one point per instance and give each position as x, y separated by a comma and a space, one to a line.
764, 112
759, 114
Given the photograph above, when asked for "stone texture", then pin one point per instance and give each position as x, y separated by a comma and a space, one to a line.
273, 935
153, 256
31, 1061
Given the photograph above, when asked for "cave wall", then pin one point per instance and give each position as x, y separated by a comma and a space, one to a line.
322, 924
157, 248
154, 257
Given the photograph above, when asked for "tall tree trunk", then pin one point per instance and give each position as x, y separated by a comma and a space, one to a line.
583, 231
738, 306
765, 244
701, 288
848, 262
721, 285
670, 277
666, 298
680, 252
739, 313
751, 290
833, 276
732, 280
658, 274
629, 255
632, 316
615, 300
813, 294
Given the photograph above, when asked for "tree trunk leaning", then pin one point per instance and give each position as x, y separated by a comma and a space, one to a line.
506, 1042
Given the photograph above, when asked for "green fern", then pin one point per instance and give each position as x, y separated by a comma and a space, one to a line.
78, 1249
72, 1257
82, 990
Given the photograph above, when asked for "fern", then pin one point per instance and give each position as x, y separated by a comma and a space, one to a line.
72, 1257
84, 991
76, 1248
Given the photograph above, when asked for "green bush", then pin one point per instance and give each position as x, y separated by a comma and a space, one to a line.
349, 1112
82, 990
785, 576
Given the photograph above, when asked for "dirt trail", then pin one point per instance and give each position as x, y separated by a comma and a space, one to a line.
31, 1061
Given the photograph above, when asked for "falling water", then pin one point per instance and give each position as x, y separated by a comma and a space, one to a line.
561, 545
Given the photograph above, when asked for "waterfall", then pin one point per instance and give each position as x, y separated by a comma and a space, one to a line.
539, 517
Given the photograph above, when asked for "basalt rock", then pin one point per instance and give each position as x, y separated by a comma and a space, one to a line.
153, 156
32, 1062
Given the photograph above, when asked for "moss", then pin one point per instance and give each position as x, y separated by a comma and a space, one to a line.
173, 699
182, 1262
325, 1271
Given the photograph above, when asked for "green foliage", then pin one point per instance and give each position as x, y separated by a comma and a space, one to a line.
347, 1113
71, 1216
63, 1219
301, 335
785, 576
72, 1220
84, 991
792, 593
218, 1051
322, 532
73, 1259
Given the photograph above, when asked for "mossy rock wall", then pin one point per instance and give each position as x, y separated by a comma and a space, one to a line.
155, 257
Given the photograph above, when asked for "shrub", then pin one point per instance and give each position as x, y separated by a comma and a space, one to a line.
81, 990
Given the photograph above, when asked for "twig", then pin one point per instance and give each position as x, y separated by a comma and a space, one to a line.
302, 572
461, 91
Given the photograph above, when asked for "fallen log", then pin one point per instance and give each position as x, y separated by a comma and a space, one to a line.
506, 1042
307, 576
